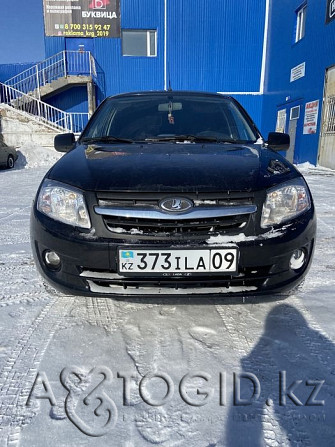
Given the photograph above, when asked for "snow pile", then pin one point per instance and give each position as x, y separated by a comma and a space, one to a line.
241, 237
32, 156
308, 168
305, 167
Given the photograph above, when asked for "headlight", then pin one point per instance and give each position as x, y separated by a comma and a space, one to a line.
285, 202
64, 203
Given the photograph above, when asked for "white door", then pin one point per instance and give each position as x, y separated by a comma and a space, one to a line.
327, 140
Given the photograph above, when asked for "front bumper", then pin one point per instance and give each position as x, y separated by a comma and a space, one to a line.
89, 263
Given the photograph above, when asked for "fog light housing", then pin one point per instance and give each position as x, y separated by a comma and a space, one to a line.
52, 260
298, 259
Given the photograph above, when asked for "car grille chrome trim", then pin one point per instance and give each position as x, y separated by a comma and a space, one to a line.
194, 213
101, 275
109, 282
147, 290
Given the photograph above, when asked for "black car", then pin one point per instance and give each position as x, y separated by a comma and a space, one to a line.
173, 193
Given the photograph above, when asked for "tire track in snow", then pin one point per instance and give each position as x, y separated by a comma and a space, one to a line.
19, 281
20, 368
14, 213
108, 313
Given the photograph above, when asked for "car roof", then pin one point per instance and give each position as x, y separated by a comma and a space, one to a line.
171, 92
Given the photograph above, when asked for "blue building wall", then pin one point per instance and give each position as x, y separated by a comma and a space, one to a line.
211, 46
215, 45
71, 100
54, 45
253, 104
7, 71
316, 49
128, 73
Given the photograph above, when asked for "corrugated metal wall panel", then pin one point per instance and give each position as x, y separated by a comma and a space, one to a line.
215, 45
146, 14
7, 71
71, 100
128, 73
212, 45
253, 105
53, 45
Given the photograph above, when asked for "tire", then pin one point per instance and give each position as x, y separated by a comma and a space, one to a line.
10, 162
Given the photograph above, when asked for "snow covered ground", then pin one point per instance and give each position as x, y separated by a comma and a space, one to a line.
164, 372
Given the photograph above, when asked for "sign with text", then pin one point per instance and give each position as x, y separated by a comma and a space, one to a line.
82, 18
330, 14
311, 117
298, 72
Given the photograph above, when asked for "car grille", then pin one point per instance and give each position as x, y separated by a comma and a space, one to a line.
161, 227
134, 215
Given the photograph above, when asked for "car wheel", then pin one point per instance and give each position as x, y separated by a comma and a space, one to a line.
10, 162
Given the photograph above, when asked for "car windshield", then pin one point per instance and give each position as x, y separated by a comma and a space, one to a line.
170, 117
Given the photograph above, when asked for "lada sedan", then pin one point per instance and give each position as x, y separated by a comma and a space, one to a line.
173, 193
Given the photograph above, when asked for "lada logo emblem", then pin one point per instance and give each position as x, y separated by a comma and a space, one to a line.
176, 204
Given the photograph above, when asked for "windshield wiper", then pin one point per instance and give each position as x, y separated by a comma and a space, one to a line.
192, 138
106, 139
195, 139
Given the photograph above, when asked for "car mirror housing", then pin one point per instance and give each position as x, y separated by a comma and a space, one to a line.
64, 142
278, 141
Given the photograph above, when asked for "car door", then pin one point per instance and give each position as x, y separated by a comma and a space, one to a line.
3, 155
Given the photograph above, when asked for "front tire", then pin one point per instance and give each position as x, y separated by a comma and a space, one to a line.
10, 162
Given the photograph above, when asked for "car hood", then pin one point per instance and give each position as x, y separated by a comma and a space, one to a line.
161, 167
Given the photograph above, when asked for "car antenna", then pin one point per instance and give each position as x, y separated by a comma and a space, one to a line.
169, 88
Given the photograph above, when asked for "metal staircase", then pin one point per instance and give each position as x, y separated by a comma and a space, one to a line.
25, 92
42, 112
55, 73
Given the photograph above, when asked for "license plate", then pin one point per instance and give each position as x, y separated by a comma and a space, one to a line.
177, 262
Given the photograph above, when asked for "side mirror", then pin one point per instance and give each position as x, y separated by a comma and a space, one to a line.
64, 142
278, 141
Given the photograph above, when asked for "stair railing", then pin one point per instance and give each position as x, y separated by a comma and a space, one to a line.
63, 64
42, 112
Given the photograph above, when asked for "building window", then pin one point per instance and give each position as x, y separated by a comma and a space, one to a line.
301, 23
295, 113
329, 116
139, 43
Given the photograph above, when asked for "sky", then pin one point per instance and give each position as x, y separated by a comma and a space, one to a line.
21, 31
